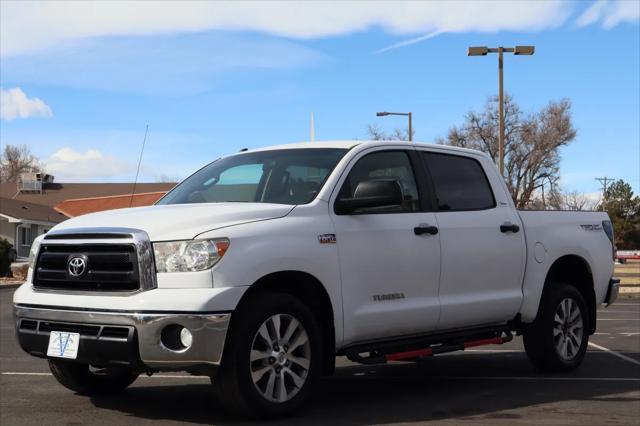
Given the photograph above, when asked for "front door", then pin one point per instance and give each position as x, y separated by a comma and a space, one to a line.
389, 274
23, 240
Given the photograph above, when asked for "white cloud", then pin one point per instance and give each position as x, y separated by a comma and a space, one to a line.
68, 165
592, 14
163, 64
14, 103
33, 26
610, 13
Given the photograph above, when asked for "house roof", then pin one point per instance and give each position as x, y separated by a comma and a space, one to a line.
80, 206
29, 211
55, 193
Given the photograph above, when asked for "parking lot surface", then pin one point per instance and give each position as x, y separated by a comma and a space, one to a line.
488, 385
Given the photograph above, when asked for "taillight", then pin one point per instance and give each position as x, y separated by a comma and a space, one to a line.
607, 226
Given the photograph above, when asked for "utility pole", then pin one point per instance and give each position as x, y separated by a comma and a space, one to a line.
500, 113
604, 181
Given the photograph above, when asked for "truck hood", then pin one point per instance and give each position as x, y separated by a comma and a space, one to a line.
179, 221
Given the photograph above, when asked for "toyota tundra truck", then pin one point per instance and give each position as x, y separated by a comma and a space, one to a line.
263, 266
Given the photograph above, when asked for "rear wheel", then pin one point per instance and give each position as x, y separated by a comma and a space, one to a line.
271, 357
87, 380
558, 338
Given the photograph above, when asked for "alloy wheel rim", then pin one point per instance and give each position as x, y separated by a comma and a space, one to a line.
280, 358
568, 329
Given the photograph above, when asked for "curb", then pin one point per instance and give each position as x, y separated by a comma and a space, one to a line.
16, 285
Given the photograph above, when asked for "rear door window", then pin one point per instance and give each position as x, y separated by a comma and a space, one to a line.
460, 182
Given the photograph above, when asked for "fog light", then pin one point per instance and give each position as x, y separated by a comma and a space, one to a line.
186, 338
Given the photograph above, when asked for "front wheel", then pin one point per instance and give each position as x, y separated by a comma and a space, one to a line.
87, 380
271, 357
557, 340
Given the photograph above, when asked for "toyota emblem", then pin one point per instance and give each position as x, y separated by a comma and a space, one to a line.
76, 266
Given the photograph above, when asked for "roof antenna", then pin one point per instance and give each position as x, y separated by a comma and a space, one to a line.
135, 182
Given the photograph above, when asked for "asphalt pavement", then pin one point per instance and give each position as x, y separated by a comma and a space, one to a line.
488, 385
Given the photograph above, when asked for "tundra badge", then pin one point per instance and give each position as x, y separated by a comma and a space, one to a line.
327, 239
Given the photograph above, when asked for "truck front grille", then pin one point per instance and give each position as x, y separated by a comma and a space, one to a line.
103, 267
96, 331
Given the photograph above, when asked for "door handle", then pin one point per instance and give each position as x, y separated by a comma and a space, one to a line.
431, 230
509, 227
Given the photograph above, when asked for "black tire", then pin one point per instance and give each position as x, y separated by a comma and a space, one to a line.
558, 346
234, 384
81, 379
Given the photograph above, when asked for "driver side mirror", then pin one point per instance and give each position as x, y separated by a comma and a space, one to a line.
371, 193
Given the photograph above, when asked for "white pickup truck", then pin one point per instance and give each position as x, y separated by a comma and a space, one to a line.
263, 266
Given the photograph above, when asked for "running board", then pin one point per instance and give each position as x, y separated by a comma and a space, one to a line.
440, 349
434, 345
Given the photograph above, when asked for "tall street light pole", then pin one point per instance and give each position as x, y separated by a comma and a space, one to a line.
408, 114
483, 51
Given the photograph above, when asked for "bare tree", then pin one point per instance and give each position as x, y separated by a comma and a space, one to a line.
557, 199
575, 200
376, 133
531, 144
15, 160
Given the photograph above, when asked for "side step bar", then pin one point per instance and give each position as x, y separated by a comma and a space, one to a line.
415, 348
440, 349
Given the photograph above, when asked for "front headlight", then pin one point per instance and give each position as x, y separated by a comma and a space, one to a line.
35, 245
189, 256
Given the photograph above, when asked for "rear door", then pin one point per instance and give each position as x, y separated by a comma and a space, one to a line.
389, 273
482, 266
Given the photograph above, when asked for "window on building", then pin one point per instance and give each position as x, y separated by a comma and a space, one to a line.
24, 235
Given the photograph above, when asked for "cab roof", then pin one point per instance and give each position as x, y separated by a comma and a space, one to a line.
353, 143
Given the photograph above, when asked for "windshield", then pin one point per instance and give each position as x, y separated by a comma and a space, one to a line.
287, 176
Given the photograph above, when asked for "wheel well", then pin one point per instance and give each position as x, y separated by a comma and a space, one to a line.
311, 292
574, 270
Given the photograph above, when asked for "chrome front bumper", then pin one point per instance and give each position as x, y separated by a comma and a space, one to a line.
143, 343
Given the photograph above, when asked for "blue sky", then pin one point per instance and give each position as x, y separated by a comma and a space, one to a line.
80, 82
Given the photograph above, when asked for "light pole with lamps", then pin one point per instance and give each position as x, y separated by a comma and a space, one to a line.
482, 51
408, 114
